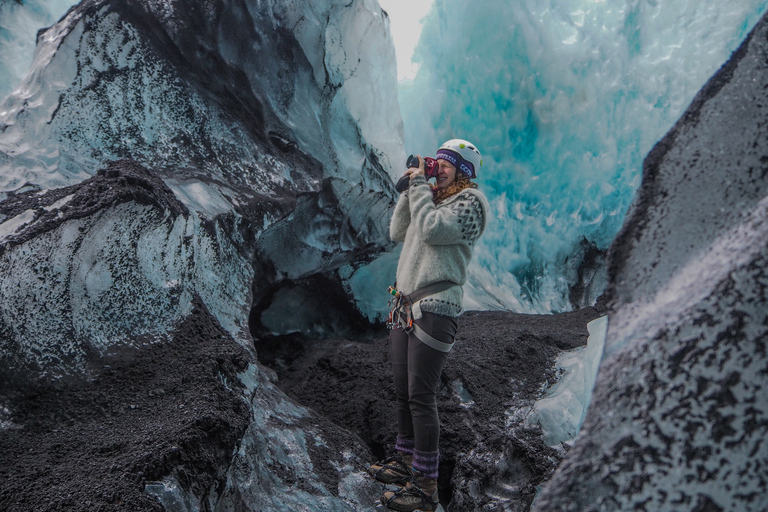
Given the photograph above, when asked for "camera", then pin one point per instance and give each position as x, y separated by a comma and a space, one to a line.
430, 165
430, 171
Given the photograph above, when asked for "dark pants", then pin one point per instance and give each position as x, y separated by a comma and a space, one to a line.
417, 368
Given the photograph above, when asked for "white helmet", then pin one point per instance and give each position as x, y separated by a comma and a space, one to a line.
462, 154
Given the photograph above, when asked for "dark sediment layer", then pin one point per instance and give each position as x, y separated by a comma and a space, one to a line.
94, 444
501, 362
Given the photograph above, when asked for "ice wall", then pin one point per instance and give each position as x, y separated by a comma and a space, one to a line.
285, 161
305, 138
578, 94
679, 417
162, 158
564, 99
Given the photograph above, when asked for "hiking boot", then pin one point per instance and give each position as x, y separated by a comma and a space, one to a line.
418, 494
393, 470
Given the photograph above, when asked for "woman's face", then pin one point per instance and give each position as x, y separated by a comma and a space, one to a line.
446, 173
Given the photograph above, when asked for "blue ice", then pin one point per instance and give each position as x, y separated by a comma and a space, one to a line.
564, 99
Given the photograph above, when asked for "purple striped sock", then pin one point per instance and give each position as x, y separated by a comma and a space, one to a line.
404, 445
426, 463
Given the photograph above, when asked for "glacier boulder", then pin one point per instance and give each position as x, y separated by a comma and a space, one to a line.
679, 415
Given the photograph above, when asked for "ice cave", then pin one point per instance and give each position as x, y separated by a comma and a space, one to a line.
194, 251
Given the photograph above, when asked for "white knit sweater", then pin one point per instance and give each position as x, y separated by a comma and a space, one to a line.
437, 243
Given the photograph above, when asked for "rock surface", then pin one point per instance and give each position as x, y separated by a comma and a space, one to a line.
111, 441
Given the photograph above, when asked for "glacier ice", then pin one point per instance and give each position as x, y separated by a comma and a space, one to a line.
10, 226
256, 476
154, 167
240, 169
230, 133
268, 152
19, 23
624, 69
109, 272
369, 283
171, 495
562, 410
564, 99
679, 414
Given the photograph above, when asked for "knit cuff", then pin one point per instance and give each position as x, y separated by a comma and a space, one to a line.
438, 307
417, 179
426, 463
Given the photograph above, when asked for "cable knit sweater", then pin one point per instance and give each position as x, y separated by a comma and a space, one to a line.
437, 243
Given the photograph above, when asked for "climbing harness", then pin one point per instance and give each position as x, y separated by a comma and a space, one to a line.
401, 312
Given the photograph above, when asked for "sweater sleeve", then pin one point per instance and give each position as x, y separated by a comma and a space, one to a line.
401, 219
461, 221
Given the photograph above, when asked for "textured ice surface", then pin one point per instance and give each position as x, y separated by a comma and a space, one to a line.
255, 172
144, 108
561, 412
564, 99
172, 496
578, 94
299, 165
19, 23
298, 148
275, 468
679, 416
369, 284
92, 272
10, 226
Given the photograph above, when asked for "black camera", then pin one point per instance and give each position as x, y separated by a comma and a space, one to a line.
430, 171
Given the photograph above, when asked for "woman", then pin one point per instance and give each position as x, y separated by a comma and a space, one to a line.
438, 226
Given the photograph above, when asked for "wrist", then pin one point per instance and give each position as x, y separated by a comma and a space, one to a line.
417, 179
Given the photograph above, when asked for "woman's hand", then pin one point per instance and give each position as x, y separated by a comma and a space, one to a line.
416, 171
